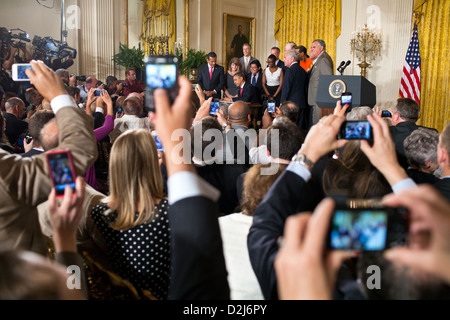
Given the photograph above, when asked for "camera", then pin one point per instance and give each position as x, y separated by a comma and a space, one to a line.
356, 130
79, 78
161, 72
386, 114
51, 48
367, 229
125, 84
7, 38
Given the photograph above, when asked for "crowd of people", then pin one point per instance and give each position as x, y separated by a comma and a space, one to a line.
218, 211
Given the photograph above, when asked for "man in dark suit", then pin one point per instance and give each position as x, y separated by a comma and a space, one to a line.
237, 44
404, 118
36, 124
211, 77
322, 65
255, 79
443, 155
246, 92
15, 126
247, 58
295, 87
276, 52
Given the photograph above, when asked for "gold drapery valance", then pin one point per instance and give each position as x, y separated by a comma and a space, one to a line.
303, 21
159, 19
434, 29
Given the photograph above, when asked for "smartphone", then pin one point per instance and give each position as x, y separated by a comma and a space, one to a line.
386, 114
215, 106
347, 98
161, 72
374, 229
98, 93
194, 86
62, 171
271, 107
119, 110
356, 130
159, 146
18, 71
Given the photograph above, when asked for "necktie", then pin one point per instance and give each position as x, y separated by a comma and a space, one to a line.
246, 64
254, 81
241, 92
210, 73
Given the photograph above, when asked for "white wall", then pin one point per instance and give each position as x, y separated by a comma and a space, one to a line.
394, 20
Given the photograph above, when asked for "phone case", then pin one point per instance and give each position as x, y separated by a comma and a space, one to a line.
52, 156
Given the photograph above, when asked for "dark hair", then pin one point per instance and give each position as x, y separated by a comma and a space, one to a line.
272, 56
37, 122
29, 95
110, 79
239, 74
290, 139
205, 124
130, 69
236, 61
212, 55
257, 63
408, 109
73, 91
247, 44
290, 110
302, 49
132, 106
276, 48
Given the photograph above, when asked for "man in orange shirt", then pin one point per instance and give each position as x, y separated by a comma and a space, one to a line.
305, 61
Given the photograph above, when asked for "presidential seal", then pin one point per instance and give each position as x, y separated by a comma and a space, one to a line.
337, 88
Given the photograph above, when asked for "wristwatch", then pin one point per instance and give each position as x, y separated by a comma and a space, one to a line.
303, 160
225, 126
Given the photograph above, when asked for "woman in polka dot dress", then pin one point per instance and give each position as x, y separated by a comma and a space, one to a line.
134, 218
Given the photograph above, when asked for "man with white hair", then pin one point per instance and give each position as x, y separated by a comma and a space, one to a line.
295, 87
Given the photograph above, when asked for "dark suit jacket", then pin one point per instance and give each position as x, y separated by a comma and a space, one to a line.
14, 128
99, 119
295, 86
198, 265
31, 153
420, 177
280, 64
248, 94
287, 196
399, 133
258, 86
217, 81
443, 185
246, 71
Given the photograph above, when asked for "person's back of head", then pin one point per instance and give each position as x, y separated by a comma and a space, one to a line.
132, 106
444, 150
239, 113
50, 135
408, 109
120, 101
256, 185
290, 110
28, 276
354, 176
37, 123
29, 95
199, 132
359, 114
73, 91
291, 54
421, 149
284, 139
135, 179
12, 103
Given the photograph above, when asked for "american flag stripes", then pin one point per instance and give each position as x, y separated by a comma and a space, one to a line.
410, 85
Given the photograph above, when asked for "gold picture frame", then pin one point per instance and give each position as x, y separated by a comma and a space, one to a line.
231, 23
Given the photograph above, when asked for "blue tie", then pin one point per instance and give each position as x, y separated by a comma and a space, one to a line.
254, 81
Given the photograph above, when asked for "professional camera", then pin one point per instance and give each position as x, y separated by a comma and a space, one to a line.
15, 40
79, 78
51, 48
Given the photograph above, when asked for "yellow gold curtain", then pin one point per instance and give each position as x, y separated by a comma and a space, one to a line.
434, 31
303, 21
155, 14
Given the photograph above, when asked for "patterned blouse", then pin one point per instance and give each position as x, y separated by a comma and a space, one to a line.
140, 255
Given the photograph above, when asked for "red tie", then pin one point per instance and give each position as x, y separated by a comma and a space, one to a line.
210, 73
241, 92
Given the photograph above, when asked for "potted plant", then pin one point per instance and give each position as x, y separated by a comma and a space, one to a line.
130, 58
193, 60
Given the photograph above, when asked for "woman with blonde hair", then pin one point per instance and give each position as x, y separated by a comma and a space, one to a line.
133, 219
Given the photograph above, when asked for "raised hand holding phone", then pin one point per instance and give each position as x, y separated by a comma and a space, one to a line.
62, 171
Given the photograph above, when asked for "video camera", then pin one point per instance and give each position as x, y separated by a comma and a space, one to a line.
51, 48
7, 38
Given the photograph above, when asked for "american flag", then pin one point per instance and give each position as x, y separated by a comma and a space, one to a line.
410, 86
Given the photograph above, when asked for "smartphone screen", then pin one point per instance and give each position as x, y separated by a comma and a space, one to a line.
271, 107
161, 72
356, 130
62, 171
215, 106
159, 146
362, 230
386, 114
18, 72
346, 98
98, 93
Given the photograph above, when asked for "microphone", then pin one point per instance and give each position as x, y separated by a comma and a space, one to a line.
340, 67
346, 65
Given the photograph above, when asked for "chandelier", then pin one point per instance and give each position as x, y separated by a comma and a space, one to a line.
366, 44
156, 33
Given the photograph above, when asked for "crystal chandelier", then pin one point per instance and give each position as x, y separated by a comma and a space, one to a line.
366, 44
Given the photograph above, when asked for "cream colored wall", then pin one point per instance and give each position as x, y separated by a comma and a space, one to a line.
394, 20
